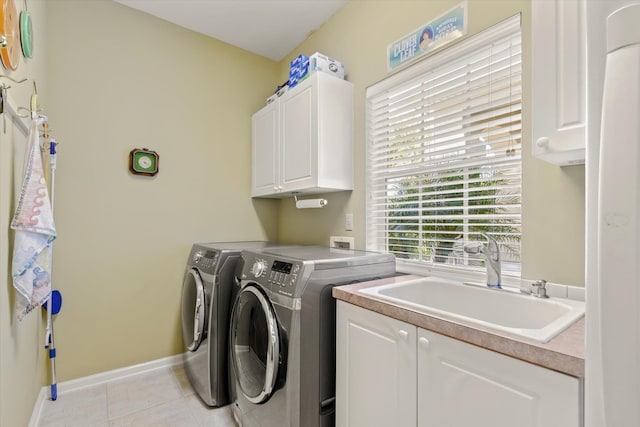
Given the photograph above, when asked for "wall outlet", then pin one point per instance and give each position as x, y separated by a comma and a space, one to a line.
341, 242
348, 223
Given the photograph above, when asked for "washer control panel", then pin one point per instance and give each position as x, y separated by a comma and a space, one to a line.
275, 275
282, 276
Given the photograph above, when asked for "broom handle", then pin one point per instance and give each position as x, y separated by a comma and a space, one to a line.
52, 348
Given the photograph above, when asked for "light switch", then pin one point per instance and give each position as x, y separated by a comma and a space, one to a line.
349, 222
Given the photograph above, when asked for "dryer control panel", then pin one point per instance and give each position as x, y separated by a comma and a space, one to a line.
204, 259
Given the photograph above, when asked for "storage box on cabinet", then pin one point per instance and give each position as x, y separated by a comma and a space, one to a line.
303, 141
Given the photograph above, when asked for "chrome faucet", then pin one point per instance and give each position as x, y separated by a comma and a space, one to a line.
539, 289
491, 253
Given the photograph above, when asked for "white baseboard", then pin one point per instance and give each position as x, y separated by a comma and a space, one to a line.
43, 396
116, 374
101, 378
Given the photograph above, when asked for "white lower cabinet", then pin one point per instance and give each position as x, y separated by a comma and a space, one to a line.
391, 373
375, 369
462, 385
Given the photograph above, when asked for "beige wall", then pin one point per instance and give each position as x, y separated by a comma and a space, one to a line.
553, 197
118, 79
121, 79
23, 359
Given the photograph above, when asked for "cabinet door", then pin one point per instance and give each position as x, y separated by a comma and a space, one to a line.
299, 127
265, 150
559, 80
461, 385
375, 369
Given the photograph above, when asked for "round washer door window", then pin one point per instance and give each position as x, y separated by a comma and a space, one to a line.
194, 309
255, 344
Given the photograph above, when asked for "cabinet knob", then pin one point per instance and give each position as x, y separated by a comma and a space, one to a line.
543, 142
403, 334
424, 343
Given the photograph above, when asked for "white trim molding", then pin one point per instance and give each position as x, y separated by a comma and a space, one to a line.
100, 378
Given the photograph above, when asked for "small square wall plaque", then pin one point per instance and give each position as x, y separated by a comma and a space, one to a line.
143, 162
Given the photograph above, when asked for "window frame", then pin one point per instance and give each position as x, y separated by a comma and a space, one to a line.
404, 77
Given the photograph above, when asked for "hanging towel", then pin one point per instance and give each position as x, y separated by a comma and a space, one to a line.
35, 232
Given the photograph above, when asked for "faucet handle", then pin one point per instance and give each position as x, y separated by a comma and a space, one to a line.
493, 245
539, 289
473, 248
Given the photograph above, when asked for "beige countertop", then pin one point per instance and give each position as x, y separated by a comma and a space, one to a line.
564, 353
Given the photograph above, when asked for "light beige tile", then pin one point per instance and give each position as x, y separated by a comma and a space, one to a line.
163, 397
183, 381
74, 423
207, 416
170, 414
141, 392
85, 407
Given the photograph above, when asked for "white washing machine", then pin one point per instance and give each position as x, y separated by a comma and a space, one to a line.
282, 343
206, 307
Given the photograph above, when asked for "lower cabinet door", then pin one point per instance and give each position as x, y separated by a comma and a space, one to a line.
461, 385
375, 369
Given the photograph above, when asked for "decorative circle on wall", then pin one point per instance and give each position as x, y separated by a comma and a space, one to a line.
26, 34
10, 27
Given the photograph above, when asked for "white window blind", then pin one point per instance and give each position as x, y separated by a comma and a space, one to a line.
444, 153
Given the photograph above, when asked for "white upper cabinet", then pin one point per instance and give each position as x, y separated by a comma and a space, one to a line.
265, 149
559, 81
303, 142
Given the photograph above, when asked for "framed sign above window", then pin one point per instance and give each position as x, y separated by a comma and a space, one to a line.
429, 37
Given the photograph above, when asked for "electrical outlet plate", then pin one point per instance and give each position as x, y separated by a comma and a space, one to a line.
341, 242
348, 226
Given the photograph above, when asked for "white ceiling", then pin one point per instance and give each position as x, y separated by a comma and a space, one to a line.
271, 28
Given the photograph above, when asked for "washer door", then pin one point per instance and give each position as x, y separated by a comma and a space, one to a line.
255, 344
194, 309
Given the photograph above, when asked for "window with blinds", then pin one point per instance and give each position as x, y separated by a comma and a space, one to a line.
444, 153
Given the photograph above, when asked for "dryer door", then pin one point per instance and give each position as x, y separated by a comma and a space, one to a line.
194, 309
255, 344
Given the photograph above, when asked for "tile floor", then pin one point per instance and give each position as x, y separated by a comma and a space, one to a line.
162, 397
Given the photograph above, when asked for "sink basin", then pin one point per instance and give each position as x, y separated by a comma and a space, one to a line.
505, 311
